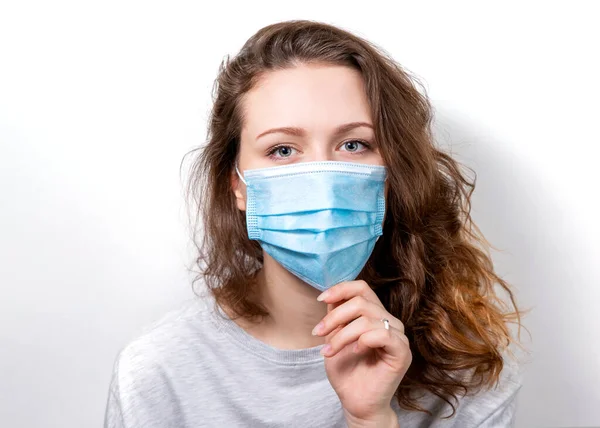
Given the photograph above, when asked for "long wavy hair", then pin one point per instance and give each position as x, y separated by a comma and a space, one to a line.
431, 268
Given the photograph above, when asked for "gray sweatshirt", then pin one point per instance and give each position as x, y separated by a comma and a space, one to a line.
197, 368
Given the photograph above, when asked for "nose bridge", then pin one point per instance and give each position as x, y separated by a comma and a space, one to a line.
321, 149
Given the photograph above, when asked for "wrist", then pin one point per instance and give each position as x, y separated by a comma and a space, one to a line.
385, 419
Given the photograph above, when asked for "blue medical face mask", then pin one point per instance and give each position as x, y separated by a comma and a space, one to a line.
319, 220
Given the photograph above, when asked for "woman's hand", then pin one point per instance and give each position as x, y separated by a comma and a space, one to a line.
365, 362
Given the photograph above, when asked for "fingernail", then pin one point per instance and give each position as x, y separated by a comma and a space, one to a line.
325, 349
318, 329
323, 296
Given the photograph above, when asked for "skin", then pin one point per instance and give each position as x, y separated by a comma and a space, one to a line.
364, 362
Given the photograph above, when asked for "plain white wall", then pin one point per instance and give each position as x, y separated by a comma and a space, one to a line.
99, 102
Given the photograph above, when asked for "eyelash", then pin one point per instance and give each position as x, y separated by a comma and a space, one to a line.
272, 150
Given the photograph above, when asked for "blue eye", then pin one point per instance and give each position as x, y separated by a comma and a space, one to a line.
354, 146
284, 151
281, 152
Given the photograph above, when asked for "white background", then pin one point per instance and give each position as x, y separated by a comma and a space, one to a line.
99, 102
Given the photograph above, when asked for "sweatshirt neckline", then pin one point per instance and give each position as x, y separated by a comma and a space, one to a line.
257, 347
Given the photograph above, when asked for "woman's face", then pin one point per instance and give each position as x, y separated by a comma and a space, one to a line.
304, 114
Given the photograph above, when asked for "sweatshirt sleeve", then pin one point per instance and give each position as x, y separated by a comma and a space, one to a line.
113, 416
140, 393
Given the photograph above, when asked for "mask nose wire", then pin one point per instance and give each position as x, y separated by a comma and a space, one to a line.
244, 181
240, 175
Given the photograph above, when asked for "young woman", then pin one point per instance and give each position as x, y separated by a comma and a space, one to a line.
345, 282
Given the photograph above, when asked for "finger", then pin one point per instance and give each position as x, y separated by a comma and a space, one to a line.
387, 340
343, 337
347, 290
354, 308
333, 333
332, 306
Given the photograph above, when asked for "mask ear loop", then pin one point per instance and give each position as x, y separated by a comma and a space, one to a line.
240, 175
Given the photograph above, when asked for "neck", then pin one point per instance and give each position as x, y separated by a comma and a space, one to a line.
293, 309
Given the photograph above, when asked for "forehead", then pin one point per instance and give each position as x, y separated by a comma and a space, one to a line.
310, 96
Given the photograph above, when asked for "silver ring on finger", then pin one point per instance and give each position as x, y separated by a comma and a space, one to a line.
386, 323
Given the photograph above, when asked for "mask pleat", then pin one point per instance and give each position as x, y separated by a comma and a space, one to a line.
318, 242
317, 221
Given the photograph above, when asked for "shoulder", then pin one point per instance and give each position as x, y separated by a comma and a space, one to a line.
168, 332
163, 345
495, 406
171, 335
147, 370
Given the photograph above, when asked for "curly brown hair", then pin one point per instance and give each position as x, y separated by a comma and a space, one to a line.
431, 268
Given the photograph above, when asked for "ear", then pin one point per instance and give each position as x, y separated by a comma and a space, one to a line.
239, 190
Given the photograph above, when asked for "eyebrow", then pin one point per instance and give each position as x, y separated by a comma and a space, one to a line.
299, 132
